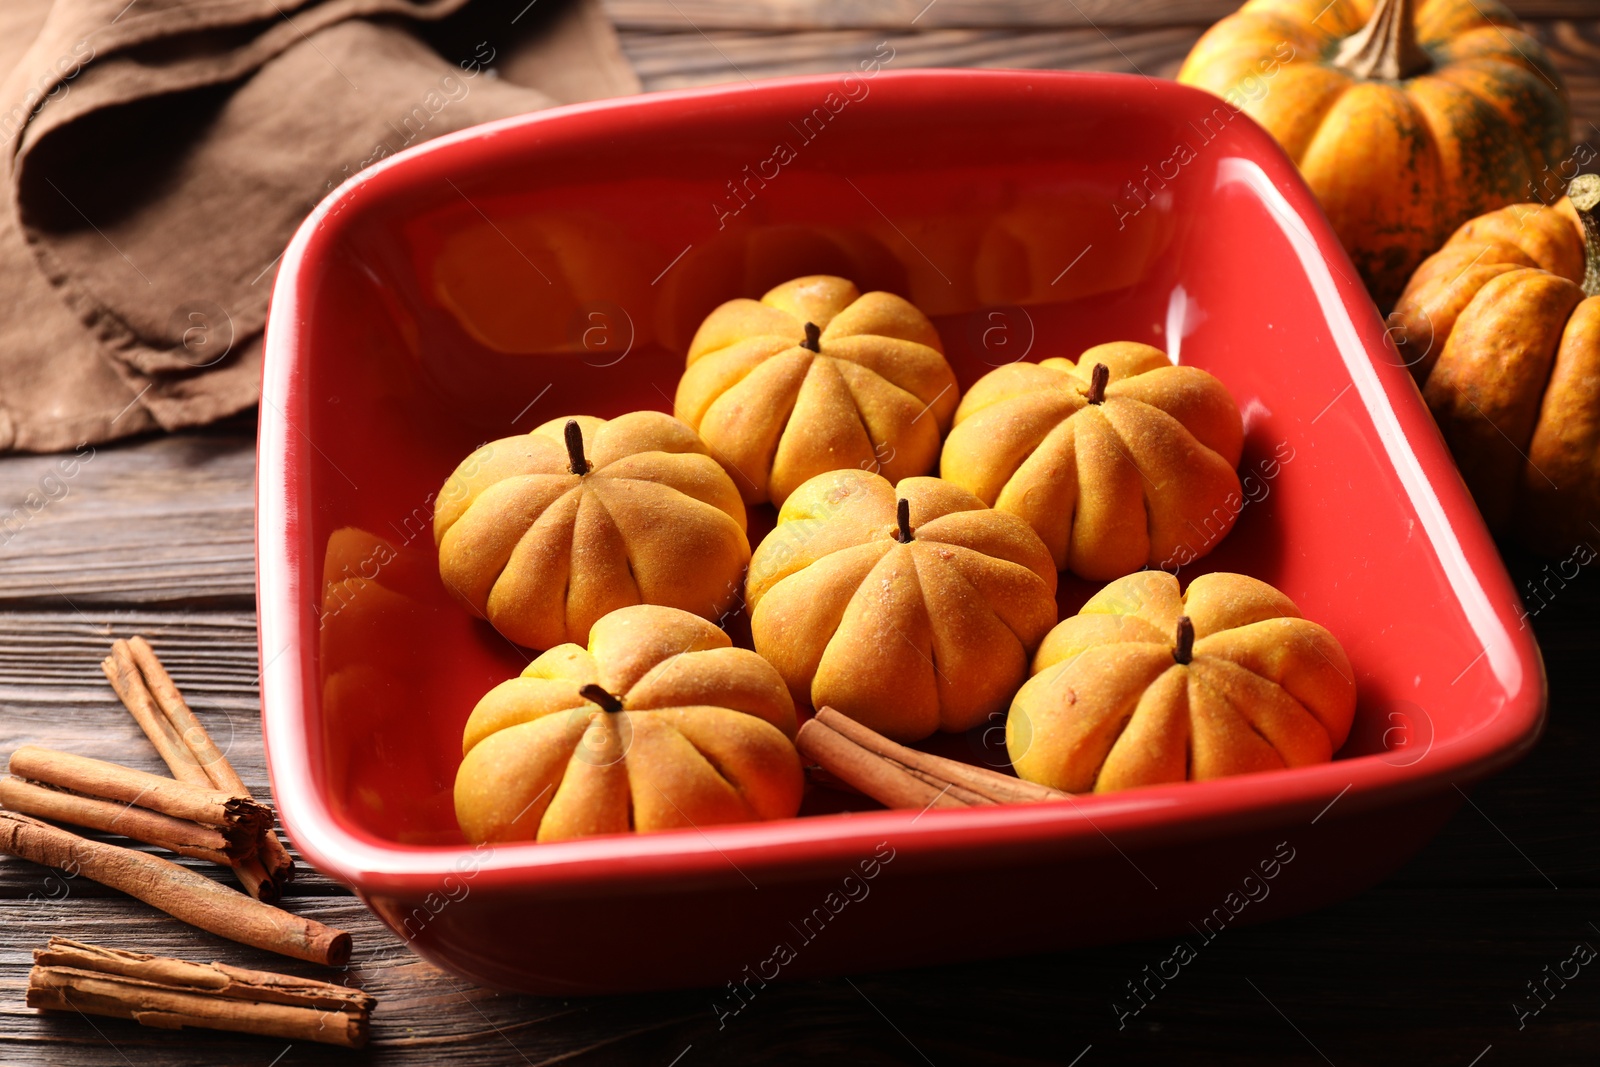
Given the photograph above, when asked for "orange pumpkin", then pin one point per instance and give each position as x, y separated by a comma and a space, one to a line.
910, 608
1404, 123
1118, 461
1502, 326
544, 533
813, 377
1144, 686
658, 724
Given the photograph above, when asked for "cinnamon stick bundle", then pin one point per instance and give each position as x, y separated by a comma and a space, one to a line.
152, 698
179, 892
901, 777
182, 836
111, 781
170, 993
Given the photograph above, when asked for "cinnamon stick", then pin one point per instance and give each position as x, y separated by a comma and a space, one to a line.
179, 892
123, 673
151, 696
111, 781
880, 779
279, 866
171, 994
961, 793
996, 787
183, 836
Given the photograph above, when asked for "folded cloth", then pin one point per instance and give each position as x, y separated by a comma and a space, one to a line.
162, 152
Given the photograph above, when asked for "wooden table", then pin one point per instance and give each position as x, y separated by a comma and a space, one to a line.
155, 537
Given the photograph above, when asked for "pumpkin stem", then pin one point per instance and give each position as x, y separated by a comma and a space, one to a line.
1183, 650
1584, 192
1098, 378
598, 695
813, 339
902, 515
1386, 47
574, 435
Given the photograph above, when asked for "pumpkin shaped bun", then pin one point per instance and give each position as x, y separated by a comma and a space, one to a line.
1503, 327
1144, 686
659, 724
1118, 461
544, 533
910, 608
813, 377
1406, 117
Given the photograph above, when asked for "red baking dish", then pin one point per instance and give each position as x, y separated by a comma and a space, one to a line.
557, 263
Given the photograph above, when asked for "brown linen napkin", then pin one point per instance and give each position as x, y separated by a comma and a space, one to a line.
162, 152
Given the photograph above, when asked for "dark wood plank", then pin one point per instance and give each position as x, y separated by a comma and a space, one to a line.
1575, 47
690, 58
166, 520
1397, 976
905, 16
52, 689
52, 693
1421, 976
1535, 821
679, 60
423, 1016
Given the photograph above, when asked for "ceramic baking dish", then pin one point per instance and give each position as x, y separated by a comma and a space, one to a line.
557, 263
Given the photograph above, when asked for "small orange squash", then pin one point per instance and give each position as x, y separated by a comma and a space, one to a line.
910, 608
544, 533
1144, 686
1502, 326
813, 377
1404, 122
1118, 461
658, 724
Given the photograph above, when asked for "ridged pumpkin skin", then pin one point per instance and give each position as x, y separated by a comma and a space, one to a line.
905, 637
1110, 707
1507, 348
1141, 479
1396, 164
703, 737
877, 395
542, 552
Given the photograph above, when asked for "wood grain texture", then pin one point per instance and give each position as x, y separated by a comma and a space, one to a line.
1575, 47
167, 520
1420, 976
680, 60
51, 693
906, 16
423, 1016
710, 56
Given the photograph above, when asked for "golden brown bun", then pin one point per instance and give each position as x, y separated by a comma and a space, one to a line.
703, 737
1109, 707
905, 638
876, 397
542, 553
1145, 478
